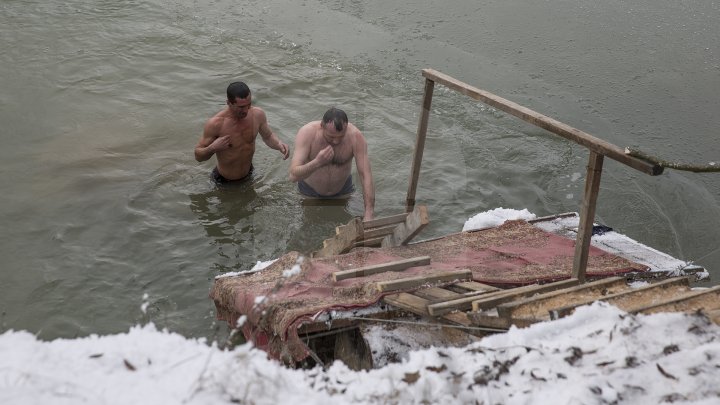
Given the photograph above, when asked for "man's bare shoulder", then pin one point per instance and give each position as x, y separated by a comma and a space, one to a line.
216, 121
308, 130
258, 113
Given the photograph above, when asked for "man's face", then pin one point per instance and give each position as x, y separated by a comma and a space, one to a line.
240, 106
332, 135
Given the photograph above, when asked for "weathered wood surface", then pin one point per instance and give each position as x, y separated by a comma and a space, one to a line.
587, 215
419, 144
344, 239
415, 282
539, 305
475, 286
707, 300
404, 232
633, 297
384, 221
398, 265
494, 298
408, 302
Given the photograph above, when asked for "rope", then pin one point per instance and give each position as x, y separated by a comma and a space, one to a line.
710, 167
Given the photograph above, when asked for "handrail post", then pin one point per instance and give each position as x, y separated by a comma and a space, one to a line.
587, 215
419, 145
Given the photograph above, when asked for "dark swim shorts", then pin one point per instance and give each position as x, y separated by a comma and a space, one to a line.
220, 180
306, 190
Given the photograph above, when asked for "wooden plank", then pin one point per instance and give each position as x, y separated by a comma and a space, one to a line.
343, 241
378, 222
418, 306
378, 232
408, 302
538, 306
587, 215
436, 294
404, 232
419, 144
582, 138
475, 286
398, 265
414, 282
519, 293
634, 297
494, 298
707, 300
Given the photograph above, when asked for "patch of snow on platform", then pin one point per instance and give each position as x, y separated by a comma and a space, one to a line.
496, 217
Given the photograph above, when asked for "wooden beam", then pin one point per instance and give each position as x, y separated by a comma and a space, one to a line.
414, 282
707, 300
587, 216
494, 298
537, 306
408, 302
634, 297
378, 222
404, 232
419, 144
582, 138
374, 242
398, 265
377, 232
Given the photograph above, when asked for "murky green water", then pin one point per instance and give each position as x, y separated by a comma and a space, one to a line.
102, 103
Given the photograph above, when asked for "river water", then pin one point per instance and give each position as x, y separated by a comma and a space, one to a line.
103, 101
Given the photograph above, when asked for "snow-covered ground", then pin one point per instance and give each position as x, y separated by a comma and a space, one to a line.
598, 355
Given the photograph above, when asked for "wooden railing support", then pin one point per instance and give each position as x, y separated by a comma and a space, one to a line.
419, 144
587, 215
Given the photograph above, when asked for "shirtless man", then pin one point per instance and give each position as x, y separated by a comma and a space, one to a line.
230, 136
322, 161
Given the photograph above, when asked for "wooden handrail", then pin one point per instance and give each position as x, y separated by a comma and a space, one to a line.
566, 131
598, 149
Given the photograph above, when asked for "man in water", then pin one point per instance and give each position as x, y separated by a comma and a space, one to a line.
321, 163
230, 136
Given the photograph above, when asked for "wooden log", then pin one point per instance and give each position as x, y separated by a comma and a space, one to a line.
398, 265
404, 232
391, 220
582, 138
706, 300
419, 144
344, 240
634, 297
494, 298
538, 306
414, 282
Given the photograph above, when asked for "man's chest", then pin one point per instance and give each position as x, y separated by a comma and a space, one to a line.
240, 132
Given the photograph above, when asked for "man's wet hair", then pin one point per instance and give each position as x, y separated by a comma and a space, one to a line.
237, 90
337, 117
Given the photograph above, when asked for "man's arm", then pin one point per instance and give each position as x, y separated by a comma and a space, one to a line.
362, 161
210, 141
269, 137
300, 167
